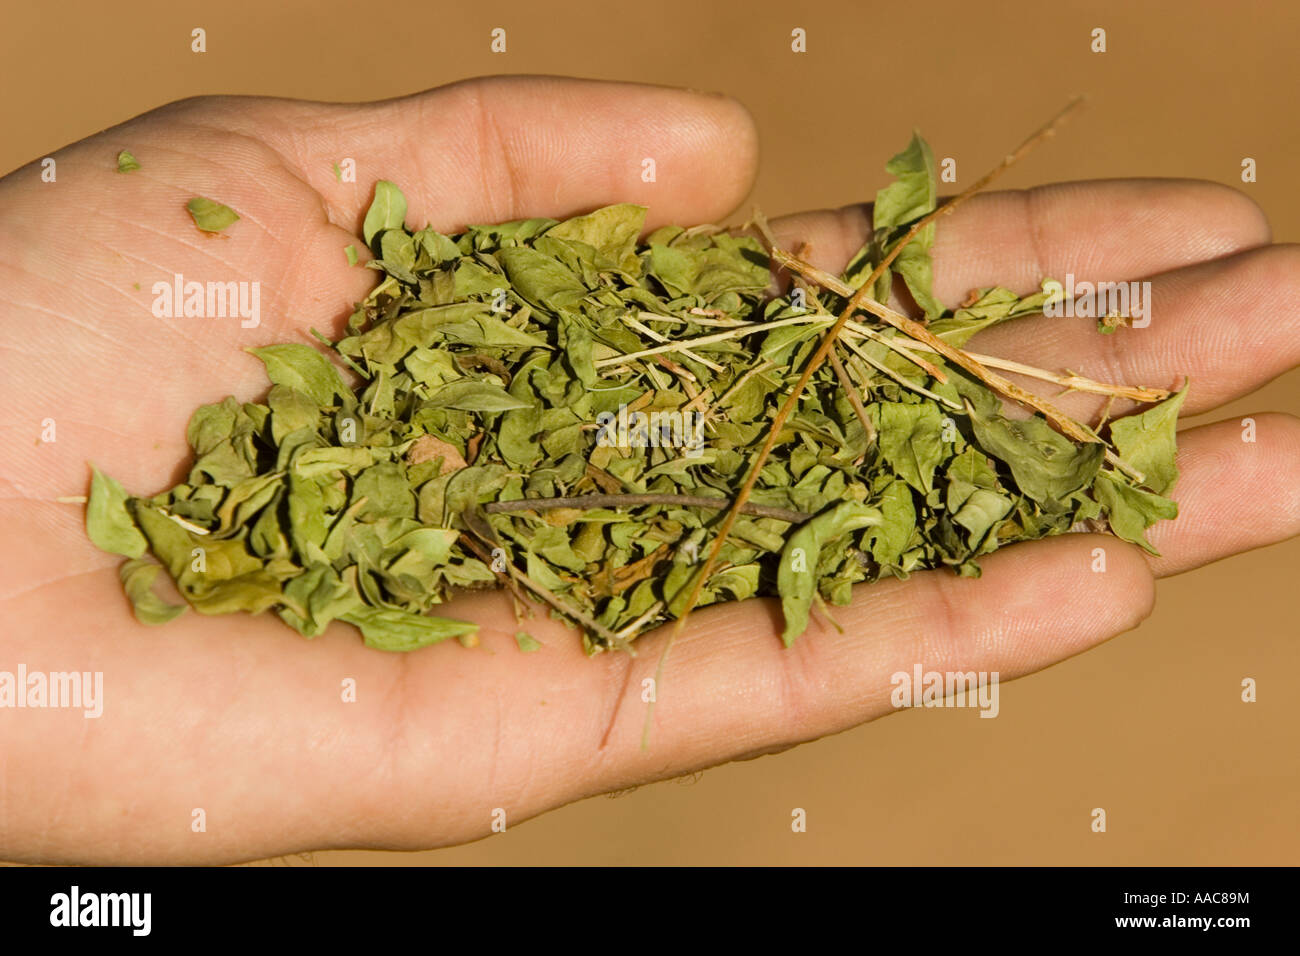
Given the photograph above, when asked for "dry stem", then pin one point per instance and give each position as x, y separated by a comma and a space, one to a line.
827, 344
585, 502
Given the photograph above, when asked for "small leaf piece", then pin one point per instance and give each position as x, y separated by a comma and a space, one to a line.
137, 581
210, 215
1131, 510
387, 211
303, 368
388, 630
126, 163
108, 520
797, 576
1147, 442
527, 643
476, 397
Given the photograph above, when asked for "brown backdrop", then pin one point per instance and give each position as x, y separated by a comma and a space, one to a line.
1149, 726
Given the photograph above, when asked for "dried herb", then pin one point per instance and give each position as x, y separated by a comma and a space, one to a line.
573, 413
108, 522
210, 215
126, 163
527, 643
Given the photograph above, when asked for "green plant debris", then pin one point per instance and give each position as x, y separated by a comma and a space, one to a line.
565, 409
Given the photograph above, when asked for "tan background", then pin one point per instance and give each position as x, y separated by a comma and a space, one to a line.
1149, 726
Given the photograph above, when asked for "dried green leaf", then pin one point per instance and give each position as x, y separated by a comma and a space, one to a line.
387, 211
109, 522
612, 231
916, 191
476, 397
910, 440
527, 643
389, 630
893, 535
731, 266
1046, 465
1131, 510
303, 368
540, 279
137, 581
1147, 442
802, 557
210, 215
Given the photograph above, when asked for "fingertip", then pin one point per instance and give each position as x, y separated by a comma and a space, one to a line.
1240, 219
708, 145
1239, 490
1132, 582
495, 148
1040, 601
574, 144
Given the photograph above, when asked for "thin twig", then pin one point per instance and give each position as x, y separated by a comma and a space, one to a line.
846, 383
1078, 383
506, 580
828, 343
886, 370
657, 337
1071, 381
855, 400
892, 344
631, 630
482, 530
587, 502
685, 344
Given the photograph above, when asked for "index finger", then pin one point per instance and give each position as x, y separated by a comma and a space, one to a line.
1099, 230
492, 149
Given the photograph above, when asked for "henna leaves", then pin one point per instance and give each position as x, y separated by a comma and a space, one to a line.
108, 521
897, 206
208, 214
567, 409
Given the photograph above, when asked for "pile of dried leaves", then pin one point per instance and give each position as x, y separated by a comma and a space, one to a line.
561, 409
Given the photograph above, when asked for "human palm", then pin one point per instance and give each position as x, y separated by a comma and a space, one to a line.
241, 718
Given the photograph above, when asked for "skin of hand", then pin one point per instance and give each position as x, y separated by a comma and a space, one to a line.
241, 718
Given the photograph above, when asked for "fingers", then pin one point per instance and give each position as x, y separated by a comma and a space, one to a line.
499, 148
1100, 230
1220, 306
1239, 490
1035, 604
554, 727
730, 689
1231, 325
